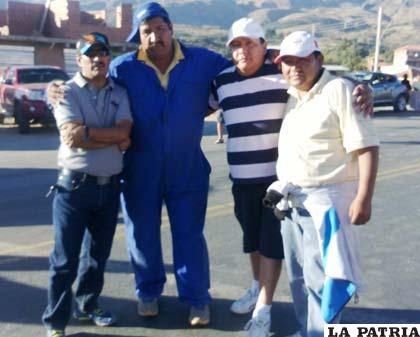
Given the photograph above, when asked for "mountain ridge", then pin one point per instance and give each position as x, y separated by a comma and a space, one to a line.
329, 19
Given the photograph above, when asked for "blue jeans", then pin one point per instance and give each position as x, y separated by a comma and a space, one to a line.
84, 216
302, 257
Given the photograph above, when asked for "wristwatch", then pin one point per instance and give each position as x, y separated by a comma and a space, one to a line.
85, 134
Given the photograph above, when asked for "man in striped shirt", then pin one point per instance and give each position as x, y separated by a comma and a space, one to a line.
253, 95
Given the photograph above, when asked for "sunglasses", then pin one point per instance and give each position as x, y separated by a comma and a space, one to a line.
97, 52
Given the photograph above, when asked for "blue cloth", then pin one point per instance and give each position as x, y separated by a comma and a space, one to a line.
306, 275
336, 292
85, 216
337, 261
166, 164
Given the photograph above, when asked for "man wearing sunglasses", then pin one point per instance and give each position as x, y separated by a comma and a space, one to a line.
94, 121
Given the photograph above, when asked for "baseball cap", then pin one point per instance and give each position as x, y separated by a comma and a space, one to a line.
143, 13
300, 44
245, 27
92, 39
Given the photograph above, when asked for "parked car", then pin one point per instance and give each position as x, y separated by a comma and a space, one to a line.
22, 94
387, 89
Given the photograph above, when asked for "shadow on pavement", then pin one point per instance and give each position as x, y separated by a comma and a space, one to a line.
38, 139
23, 263
380, 316
25, 204
399, 115
173, 315
24, 304
31, 263
85, 334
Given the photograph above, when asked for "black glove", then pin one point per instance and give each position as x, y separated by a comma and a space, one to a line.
271, 199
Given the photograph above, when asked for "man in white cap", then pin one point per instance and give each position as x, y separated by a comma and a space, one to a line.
253, 95
328, 158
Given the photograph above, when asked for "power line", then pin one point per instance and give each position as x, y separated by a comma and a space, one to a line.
341, 26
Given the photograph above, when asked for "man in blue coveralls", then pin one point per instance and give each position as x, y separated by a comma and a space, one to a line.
168, 85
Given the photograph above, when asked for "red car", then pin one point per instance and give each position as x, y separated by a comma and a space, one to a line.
22, 94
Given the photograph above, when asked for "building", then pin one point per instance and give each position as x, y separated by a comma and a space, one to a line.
52, 27
406, 61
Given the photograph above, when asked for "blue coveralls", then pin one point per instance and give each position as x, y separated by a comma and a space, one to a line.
165, 163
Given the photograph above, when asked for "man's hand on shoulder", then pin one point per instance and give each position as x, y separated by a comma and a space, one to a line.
363, 99
55, 92
272, 54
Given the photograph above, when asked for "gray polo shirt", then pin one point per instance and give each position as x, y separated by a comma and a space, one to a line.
94, 108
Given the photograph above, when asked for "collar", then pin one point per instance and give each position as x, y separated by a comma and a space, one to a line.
82, 82
317, 87
178, 54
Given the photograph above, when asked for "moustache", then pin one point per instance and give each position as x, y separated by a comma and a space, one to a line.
156, 43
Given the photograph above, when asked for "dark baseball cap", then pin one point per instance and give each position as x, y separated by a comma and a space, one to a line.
145, 12
90, 40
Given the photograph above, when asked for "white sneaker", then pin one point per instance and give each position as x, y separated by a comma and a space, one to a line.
246, 303
258, 326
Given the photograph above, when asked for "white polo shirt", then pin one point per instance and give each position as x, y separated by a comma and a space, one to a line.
319, 132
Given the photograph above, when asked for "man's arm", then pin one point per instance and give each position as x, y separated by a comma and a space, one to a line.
113, 135
76, 135
70, 121
73, 135
361, 207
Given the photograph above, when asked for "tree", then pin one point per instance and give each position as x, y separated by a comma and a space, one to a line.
348, 53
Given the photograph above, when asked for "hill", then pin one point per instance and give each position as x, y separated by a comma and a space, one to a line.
205, 22
330, 19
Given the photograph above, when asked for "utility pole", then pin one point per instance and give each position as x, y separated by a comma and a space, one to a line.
378, 40
44, 15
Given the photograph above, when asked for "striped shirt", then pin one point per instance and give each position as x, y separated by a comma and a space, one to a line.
253, 109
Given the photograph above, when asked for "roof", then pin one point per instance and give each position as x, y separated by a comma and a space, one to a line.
36, 67
414, 47
336, 67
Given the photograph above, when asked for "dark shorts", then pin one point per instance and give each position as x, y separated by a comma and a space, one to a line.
261, 229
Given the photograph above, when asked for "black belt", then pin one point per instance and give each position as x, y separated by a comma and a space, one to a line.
84, 177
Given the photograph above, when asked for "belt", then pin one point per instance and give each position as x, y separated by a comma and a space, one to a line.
84, 177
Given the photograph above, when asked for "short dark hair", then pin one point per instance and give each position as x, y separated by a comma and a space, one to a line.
316, 53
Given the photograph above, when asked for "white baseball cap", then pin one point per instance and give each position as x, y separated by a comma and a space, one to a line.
245, 27
300, 44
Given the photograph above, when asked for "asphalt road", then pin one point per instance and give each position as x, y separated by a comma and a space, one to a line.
391, 259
